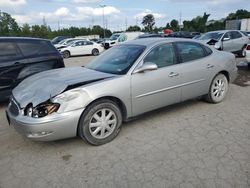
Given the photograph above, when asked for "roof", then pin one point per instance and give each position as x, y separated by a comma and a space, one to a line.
221, 31
20, 38
152, 41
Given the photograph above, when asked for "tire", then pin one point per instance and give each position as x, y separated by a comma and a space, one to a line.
94, 127
66, 54
95, 52
218, 89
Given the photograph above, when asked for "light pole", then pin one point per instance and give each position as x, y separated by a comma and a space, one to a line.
103, 6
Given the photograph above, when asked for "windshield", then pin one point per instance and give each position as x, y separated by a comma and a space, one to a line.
117, 60
114, 37
214, 35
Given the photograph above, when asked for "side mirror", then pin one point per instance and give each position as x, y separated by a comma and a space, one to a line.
226, 39
148, 66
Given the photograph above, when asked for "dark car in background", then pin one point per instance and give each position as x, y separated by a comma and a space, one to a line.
58, 39
151, 35
183, 34
22, 57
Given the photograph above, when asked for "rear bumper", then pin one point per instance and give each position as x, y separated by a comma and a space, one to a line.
50, 128
248, 56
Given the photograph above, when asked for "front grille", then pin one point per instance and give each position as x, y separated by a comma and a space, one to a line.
13, 107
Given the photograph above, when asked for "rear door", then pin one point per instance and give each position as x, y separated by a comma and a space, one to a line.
11, 63
41, 56
238, 41
78, 48
88, 47
197, 65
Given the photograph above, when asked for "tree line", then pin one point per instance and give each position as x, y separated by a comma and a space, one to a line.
9, 26
197, 24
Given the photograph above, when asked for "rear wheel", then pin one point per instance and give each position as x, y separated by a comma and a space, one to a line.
218, 89
95, 52
66, 54
100, 122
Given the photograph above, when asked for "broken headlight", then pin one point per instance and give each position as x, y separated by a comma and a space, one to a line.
41, 110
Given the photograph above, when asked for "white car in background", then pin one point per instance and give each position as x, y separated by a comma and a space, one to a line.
118, 38
64, 43
247, 54
81, 47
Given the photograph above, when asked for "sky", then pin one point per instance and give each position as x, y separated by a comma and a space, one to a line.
118, 14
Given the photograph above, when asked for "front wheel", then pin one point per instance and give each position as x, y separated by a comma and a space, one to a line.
218, 89
100, 123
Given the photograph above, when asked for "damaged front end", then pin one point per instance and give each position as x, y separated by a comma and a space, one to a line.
41, 110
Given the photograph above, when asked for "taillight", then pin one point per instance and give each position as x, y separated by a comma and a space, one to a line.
248, 47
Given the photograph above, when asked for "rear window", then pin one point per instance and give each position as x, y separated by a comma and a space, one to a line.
32, 48
8, 51
235, 35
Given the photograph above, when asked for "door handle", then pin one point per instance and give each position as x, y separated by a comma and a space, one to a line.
173, 74
209, 66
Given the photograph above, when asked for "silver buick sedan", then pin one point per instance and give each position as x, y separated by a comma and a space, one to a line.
125, 81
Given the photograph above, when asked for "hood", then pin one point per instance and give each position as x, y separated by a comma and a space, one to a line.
42, 86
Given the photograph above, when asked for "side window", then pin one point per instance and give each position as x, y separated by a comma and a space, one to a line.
235, 35
80, 43
162, 56
226, 36
88, 43
122, 38
36, 47
8, 51
189, 51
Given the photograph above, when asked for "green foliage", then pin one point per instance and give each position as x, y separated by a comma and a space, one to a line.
173, 25
134, 28
9, 27
197, 24
148, 22
217, 25
239, 14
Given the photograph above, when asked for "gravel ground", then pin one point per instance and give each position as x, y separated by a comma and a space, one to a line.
192, 144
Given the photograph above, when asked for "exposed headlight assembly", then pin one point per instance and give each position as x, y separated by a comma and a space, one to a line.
41, 110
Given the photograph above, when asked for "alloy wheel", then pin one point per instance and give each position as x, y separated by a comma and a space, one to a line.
219, 88
102, 123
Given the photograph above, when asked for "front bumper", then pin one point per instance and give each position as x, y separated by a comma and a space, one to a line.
53, 127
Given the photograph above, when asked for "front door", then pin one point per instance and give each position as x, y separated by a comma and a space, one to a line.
157, 88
